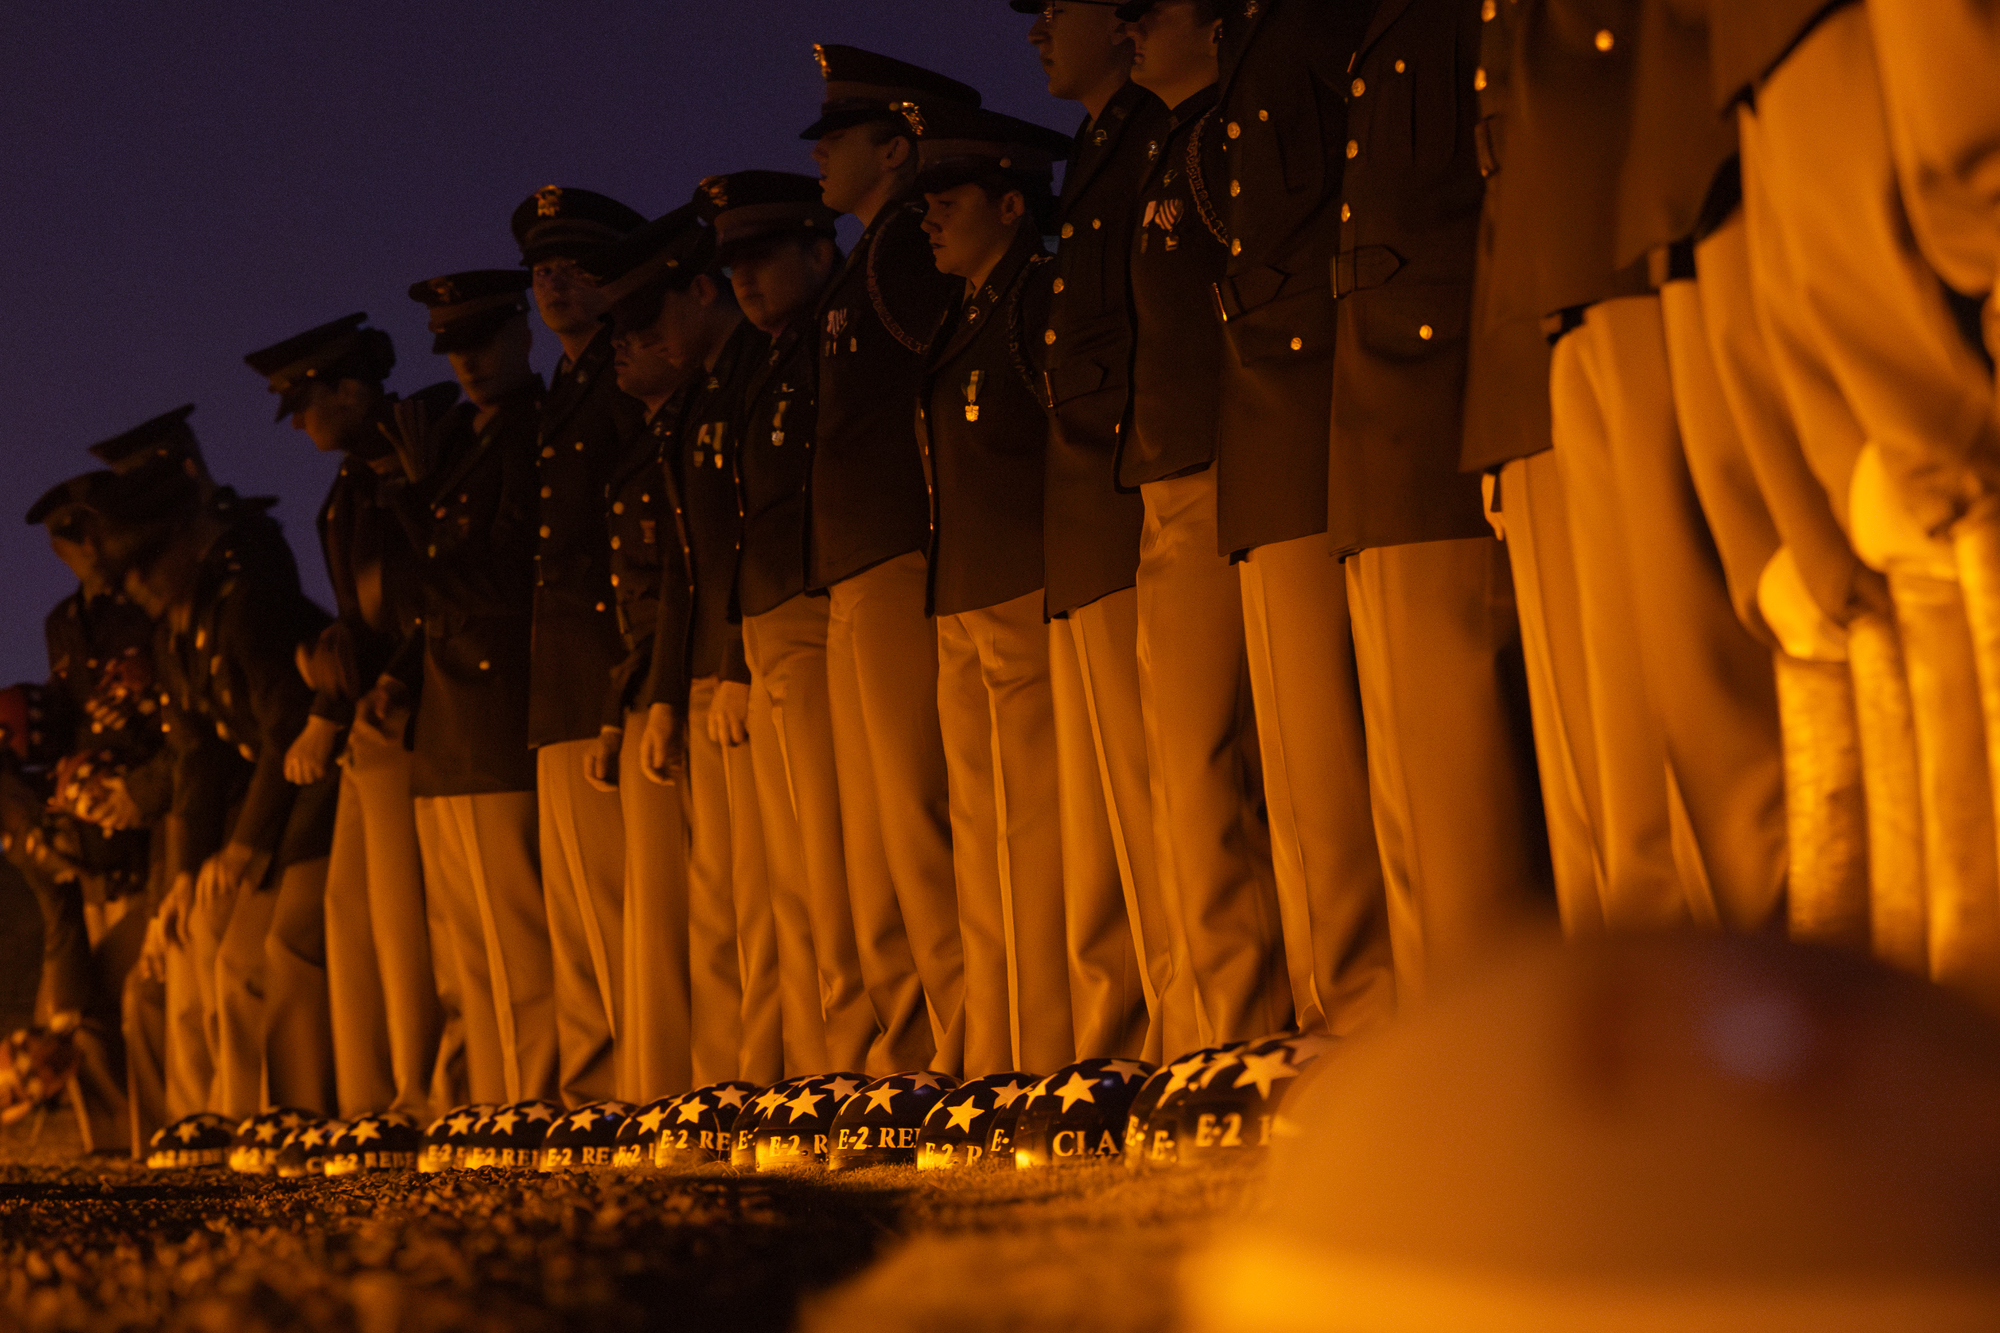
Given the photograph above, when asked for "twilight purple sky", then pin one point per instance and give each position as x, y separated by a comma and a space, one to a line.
186, 183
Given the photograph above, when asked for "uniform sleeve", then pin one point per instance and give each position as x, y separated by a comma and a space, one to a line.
204, 772
261, 628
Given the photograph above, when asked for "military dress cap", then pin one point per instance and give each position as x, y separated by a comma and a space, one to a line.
959, 144
677, 247
862, 86
563, 222
60, 503
750, 206
166, 437
339, 349
467, 309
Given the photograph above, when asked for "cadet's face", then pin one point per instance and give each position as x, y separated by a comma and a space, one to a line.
1081, 47
489, 373
568, 297
79, 555
774, 284
1172, 51
642, 359
332, 414
970, 230
850, 164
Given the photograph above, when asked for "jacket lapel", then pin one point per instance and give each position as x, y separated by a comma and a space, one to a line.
1386, 14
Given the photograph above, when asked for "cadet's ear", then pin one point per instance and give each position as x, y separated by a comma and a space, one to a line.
897, 152
1013, 207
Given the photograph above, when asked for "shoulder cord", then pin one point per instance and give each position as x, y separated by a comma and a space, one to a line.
1037, 389
882, 306
1198, 183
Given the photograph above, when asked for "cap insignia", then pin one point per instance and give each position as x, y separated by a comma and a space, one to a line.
717, 190
446, 291
819, 54
548, 201
912, 113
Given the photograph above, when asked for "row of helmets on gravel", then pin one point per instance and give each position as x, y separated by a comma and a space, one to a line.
1210, 1104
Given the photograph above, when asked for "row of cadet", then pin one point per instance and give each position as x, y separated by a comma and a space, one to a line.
949, 655
1210, 1105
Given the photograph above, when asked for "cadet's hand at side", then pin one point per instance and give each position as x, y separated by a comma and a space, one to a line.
663, 751
311, 755
600, 762
729, 713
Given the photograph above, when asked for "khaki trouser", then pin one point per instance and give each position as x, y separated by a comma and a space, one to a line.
1121, 935
381, 981
732, 940
881, 664
1543, 563
274, 1036
1689, 747
829, 1022
1214, 846
1450, 752
1315, 751
481, 863
997, 713
1895, 408
583, 887
655, 1045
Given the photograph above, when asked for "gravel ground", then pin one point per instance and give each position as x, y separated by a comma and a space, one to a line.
105, 1245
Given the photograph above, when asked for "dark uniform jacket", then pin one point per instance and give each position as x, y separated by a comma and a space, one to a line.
1507, 414
652, 566
585, 423
984, 436
234, 703
701, 625
475, 517
1681, 178
775, 462
1748, 39
873, 323
1412, 202
1575, 62
1283, 113
1091, 530
1179, 249
370, 564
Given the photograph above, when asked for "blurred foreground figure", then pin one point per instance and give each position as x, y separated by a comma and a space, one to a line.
1667, 1133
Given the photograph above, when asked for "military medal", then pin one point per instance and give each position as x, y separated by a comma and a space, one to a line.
778, 424
972, 395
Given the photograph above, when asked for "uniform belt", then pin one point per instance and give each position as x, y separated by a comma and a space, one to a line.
1367, 266
1567, 320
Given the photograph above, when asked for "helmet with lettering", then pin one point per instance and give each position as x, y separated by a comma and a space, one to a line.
450, 1137
878, 1125
1145, 1144
639, 1135
586, 1138
696, 1129
959, 1126
1232, 1106
512, 1136
303, 1152
386, 1142
254, 1149
201, 1139
1077, 1114
798, 1130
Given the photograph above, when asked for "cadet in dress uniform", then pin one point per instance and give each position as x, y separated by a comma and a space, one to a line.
1894, 405
987, 183
699, 690
1936, 62
247, 850
1274, 191
1113, 898
469, 503
776, 237
1437, 639
1213, 844
96, 717
868, 536
585, 422
649, 551
1794, 578
379, 972
1509, 440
